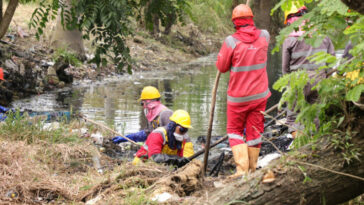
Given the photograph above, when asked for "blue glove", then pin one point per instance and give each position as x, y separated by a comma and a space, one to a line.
2, 116
4, 109
140, 136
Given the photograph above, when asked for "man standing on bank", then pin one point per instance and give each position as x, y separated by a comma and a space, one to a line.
244, 54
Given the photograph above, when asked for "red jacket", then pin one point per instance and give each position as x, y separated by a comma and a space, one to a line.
157, 143
246, 59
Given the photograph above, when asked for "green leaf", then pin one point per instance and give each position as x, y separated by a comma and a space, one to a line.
355, 93
341, 120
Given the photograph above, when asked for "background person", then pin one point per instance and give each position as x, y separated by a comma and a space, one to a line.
156, 113
294, 57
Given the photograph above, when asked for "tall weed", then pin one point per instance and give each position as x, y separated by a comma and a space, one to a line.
212, 16
22, 128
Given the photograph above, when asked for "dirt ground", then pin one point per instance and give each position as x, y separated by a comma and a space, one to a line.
182, 45
39, 170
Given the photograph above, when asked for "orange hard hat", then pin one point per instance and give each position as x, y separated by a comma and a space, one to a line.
1, 74
242, 10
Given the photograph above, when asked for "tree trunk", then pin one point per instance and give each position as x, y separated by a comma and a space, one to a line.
155, 24
169, 24
1, 10
8, 16
263, 19
357, 5
289, 187
154, 16
70, 39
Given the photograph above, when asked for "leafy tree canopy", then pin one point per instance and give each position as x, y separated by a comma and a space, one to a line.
106, 22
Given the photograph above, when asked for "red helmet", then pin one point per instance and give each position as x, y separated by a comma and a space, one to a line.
242, 10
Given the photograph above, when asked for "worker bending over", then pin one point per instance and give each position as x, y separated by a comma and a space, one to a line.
156, 113
170, 144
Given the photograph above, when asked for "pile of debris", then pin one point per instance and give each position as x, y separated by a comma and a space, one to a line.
34, 69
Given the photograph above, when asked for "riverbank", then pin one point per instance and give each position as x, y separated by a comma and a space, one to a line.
62, 164
66, 162
32, 67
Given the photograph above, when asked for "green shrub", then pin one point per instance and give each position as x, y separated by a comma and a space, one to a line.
212, 16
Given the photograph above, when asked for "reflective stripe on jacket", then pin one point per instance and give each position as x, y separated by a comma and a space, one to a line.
295, 53
157, 143
247, 64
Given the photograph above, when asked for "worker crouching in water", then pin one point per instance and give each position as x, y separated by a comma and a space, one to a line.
244, 54
170, 144
156, 113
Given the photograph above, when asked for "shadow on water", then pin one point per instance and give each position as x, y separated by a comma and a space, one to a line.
114, 101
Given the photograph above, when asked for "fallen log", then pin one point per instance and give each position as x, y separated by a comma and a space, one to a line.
319, 176
182, 183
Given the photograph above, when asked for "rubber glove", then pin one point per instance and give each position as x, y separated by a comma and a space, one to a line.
170, 159
2, 116
4, 109
140, 136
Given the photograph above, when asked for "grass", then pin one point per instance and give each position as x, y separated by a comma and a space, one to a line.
23, 14
212, 16
137, 197
57, 166
22, 128
67, 56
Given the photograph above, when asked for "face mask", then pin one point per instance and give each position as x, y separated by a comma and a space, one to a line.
179, 137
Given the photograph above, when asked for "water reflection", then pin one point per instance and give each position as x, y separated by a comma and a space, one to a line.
115, 102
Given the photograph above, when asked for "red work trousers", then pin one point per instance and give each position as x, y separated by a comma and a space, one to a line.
249, 117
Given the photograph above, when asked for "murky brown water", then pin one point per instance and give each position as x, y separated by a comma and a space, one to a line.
114, 101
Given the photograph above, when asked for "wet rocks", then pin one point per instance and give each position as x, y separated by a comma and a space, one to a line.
52, 76
26, 73
10, 65
137, 39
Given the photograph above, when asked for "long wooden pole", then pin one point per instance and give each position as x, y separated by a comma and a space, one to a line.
212, 109
203, 150
109, 129
272, 108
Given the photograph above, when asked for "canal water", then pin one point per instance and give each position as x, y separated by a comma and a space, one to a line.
113, 101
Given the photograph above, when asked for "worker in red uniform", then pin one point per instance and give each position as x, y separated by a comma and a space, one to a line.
170, 144
244, 54
295, 53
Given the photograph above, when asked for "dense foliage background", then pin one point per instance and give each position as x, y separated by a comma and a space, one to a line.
338, 93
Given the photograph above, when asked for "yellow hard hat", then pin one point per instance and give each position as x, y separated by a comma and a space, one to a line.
295, 8
149, 93
182, 118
